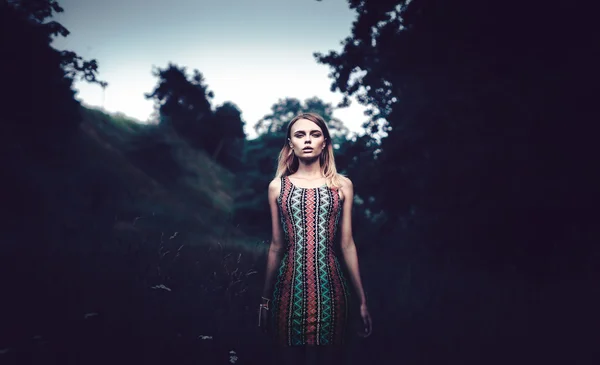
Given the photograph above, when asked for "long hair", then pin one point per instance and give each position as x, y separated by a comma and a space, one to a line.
288, 163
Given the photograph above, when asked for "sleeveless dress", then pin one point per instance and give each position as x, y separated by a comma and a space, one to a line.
311, 297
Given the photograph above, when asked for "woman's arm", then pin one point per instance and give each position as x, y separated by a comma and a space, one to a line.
276, 248
347, 241
351, 257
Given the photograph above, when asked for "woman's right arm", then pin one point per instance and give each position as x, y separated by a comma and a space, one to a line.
276, 249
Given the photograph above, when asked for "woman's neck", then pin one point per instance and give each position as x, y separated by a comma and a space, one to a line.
309, 170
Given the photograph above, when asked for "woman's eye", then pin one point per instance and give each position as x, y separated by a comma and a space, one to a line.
302, 135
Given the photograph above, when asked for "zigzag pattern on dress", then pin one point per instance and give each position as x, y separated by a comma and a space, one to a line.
298, 299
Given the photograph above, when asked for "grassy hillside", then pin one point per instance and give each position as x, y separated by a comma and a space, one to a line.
124, 252
162, 178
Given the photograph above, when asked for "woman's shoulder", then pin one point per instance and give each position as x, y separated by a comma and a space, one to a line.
275, 185
345, 181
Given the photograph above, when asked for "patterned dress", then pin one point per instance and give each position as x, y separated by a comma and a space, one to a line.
310, 299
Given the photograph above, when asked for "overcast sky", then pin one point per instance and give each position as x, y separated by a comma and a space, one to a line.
251, 52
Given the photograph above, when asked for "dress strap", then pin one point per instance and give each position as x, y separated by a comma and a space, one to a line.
283, 185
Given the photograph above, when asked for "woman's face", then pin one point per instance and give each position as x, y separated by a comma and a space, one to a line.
306, 139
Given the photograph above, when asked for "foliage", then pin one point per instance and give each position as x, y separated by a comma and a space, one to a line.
134, 247
40, 114
184, 104
474, 97
251, 207
37, 12
229, 136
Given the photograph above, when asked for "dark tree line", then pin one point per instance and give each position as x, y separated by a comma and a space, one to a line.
487, 110
40, 116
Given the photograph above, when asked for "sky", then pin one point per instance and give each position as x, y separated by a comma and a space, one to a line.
250, 52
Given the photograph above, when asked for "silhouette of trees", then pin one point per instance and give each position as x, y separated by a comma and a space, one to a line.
229, 137
475, 97
40, 113
184, 103
282, 112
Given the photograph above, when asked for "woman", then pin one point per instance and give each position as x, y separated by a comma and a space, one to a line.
306, 296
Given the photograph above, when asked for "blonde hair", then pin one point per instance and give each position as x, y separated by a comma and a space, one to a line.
288, 163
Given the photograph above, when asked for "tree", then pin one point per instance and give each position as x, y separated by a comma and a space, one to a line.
229, 135
176, 93
475, 96
40, 114
282, 112
37, 12
183, 102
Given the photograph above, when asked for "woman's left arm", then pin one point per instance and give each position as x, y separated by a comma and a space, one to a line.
351, 257
347, 241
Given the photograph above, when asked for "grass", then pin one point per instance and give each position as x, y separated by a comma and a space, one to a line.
125, 267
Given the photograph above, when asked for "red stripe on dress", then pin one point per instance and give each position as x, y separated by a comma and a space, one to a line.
311, 289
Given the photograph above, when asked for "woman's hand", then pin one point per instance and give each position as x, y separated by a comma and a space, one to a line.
366, 318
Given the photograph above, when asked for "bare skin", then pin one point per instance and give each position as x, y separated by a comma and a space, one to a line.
306, 134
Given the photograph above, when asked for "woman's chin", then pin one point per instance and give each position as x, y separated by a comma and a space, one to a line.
308, 157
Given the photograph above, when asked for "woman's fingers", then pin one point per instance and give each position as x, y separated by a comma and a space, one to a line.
367, 326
